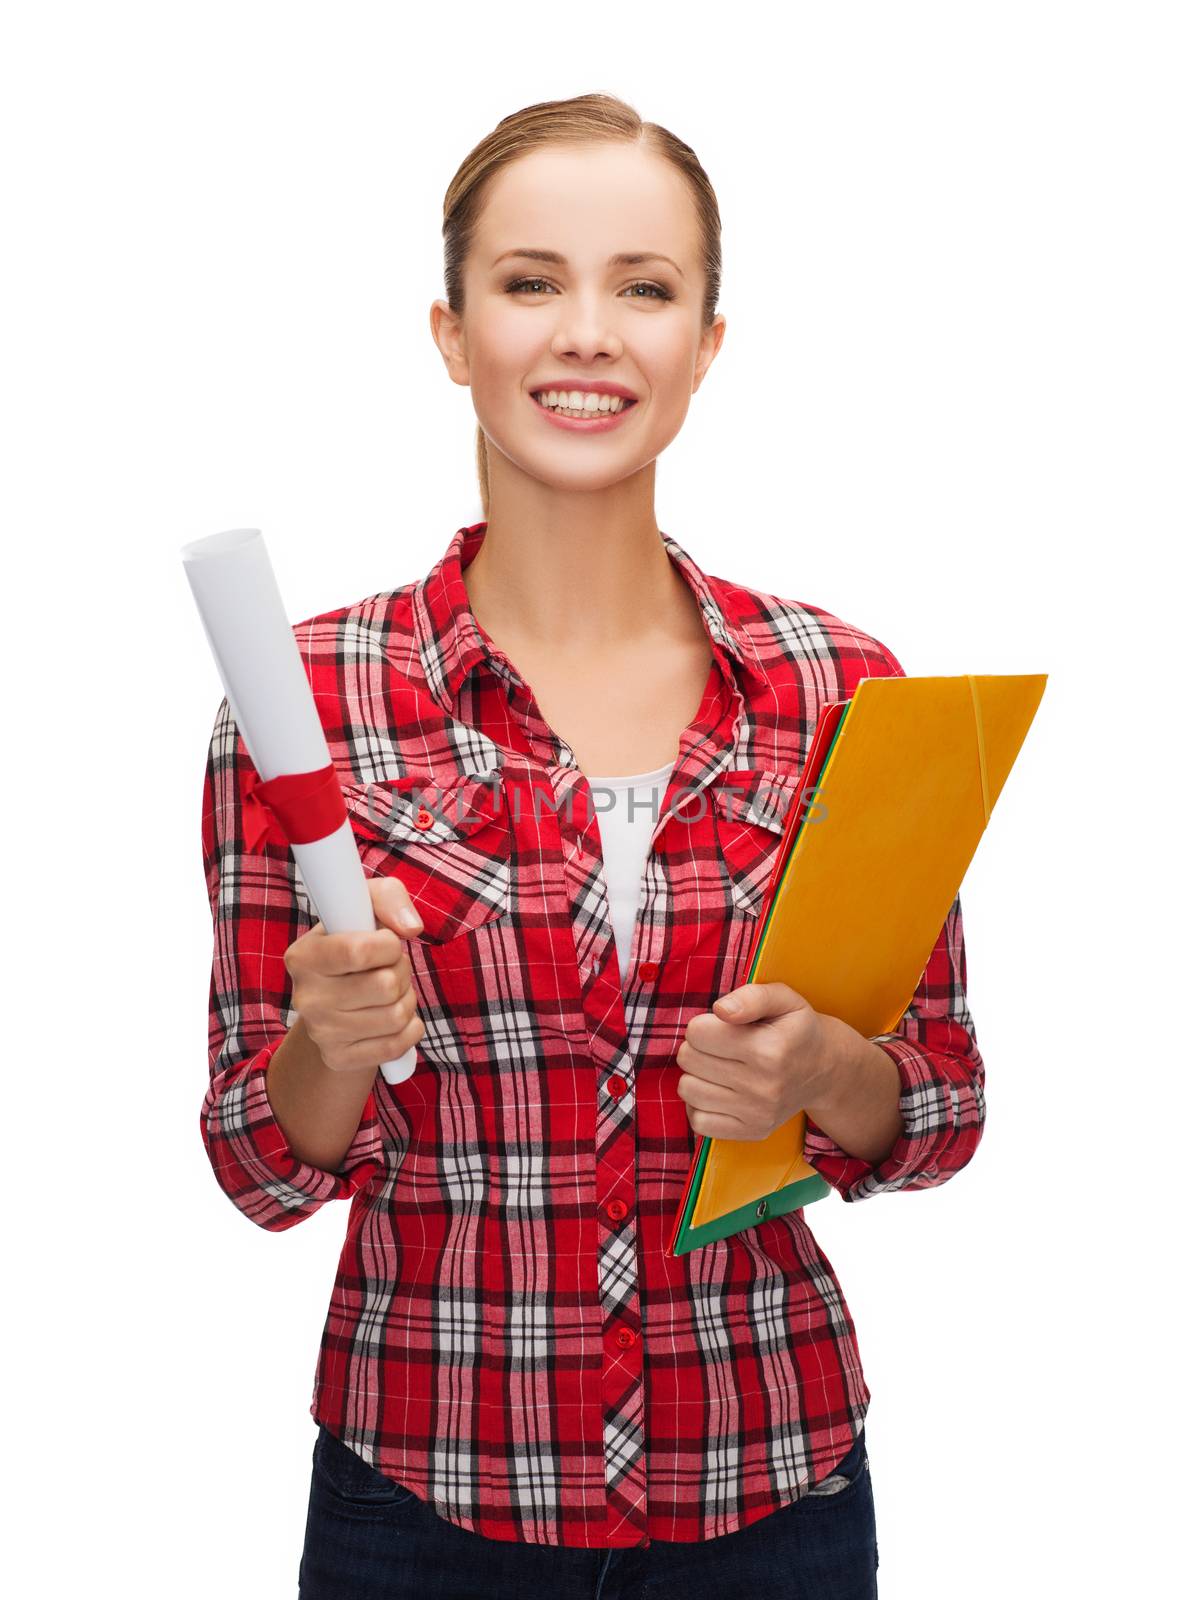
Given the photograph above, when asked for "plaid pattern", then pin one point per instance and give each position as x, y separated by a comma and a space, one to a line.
506, 1335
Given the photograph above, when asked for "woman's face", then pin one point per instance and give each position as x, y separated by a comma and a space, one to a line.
531, 324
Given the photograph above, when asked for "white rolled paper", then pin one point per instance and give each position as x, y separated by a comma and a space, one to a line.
268, 692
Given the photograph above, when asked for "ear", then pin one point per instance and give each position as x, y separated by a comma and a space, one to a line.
711, 343
449, 337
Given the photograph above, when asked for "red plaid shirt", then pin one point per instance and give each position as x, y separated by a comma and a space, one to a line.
506, 1335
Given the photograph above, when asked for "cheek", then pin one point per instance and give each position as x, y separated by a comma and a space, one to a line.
670, 400
506, 346
666, 345
668, 362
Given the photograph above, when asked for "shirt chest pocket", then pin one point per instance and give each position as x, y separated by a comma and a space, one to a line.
448, 842
750, 809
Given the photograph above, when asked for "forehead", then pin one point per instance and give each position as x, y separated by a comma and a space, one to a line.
589, 202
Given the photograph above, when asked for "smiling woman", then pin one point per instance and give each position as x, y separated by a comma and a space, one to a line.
510, 1202
553, 186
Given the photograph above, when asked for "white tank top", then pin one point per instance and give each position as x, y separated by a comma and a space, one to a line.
628, 809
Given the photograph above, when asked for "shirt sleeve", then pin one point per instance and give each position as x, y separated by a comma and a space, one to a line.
259, 906
941, 1081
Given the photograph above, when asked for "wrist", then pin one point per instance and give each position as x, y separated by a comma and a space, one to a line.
846, 1052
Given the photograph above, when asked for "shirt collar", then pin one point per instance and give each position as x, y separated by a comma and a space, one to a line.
451, 643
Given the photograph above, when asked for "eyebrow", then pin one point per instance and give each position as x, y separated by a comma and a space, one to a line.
625, 258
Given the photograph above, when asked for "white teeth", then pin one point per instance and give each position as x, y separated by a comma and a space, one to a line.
577, 400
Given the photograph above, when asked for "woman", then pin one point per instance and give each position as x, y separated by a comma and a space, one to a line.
565, 754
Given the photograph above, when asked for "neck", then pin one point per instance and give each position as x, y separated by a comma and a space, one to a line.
571, 588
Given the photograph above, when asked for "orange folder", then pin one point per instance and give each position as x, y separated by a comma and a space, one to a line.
896, 793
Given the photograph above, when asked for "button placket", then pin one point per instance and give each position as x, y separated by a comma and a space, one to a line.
705, 749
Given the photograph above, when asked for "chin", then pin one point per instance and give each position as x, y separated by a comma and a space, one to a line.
569, 475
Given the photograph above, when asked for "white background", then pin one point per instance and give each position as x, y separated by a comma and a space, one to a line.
950, 408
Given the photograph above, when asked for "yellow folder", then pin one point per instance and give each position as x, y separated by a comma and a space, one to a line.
868, 872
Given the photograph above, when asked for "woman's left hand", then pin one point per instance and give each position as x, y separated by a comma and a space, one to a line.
747, 1071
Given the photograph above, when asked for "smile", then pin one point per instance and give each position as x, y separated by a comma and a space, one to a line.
590, 421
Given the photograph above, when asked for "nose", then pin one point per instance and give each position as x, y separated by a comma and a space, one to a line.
585, 329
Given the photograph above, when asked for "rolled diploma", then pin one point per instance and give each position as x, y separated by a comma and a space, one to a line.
269, 695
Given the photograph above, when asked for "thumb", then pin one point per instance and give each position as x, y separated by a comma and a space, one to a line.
754, 1000
393, 907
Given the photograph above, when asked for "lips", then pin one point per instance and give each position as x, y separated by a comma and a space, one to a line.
595, 422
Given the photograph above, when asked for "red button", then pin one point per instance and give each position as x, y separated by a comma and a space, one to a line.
616, 1209
649, 971
424, 819
616, 1086
624, 1338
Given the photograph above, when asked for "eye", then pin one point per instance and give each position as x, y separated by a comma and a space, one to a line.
523, 283
659, 291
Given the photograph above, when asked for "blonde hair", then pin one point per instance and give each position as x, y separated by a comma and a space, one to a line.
584, 119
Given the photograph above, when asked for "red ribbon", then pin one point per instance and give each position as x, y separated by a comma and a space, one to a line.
294, 808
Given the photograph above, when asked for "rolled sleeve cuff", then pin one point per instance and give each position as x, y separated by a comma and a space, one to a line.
253, 1160
926, 1106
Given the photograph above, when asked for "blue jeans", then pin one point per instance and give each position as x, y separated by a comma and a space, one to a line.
368, 1537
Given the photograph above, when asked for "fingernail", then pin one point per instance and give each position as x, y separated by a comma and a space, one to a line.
729, 1006
408, 919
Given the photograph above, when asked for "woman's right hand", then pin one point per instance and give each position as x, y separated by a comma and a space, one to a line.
354, 991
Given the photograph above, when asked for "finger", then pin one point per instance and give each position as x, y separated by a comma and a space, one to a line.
754, 1000
370, 1023
711, 1110
339, 953
723, 1041
705, 1095
392, 904
703, 1064
379, 986
381, 1047
712, 1125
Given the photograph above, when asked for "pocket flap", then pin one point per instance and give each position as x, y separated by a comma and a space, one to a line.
448, 841
752, 806
756, 796
416, 809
